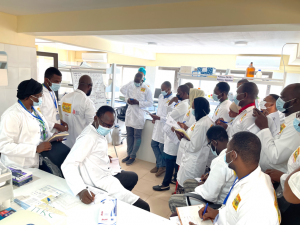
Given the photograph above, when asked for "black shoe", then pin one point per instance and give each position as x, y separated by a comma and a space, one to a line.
126, 159
160, 188
173, 181
130, 161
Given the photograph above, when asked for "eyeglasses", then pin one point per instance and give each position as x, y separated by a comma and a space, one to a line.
38, 96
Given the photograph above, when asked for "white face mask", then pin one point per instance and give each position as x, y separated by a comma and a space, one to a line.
262, 105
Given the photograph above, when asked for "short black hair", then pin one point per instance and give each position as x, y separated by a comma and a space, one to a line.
243, 81
167, 84
248, 146
189, 84
184, 88
51, 71
223, 87
274, 96
217, 133
139, 75
251, 89
103, 109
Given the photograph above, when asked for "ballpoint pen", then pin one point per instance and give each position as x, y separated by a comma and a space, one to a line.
205, 210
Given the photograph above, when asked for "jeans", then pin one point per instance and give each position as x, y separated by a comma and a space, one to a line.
170, 166
158, 149
134, 139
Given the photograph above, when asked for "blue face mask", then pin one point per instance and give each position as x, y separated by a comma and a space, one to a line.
296, 124
213, 152
137, 84
164, 93
54, 86
37, 103
193, 112
215, 97
103, 130
280, 103
237, 102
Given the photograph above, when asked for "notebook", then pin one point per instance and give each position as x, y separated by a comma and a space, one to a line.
57, 136
182, 131
190, 214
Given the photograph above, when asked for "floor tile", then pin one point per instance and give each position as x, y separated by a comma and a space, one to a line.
140, 194
163, 195
145, 186
151, 177
158, 206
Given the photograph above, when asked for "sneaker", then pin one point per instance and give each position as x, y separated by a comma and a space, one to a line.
154, 170
161, 188
160, 171
126, 159
130, 161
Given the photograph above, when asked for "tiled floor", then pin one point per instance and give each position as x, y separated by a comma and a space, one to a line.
158, 201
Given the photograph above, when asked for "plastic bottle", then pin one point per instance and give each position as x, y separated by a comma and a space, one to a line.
250, 70
259, 74
116, 135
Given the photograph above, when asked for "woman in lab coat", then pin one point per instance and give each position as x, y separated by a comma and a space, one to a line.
23, 129
195, 152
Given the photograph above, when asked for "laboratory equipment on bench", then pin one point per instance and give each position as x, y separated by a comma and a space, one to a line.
6, 188
258, 74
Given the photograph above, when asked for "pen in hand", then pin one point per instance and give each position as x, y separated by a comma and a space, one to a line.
205, 210
223, 121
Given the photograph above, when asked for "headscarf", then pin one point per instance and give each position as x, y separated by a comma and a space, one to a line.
201, 108
195, 93
28, 87
142, 69
234, 107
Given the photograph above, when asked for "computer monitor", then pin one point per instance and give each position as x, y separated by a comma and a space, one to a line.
157, 92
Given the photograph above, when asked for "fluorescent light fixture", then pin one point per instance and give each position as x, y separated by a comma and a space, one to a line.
240, 43
41, 41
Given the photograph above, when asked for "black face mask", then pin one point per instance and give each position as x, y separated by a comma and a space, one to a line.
89, 93
179, 98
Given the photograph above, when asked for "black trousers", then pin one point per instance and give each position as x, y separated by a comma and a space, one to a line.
129, 179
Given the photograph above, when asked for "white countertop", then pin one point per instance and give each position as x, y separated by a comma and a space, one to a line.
88, 214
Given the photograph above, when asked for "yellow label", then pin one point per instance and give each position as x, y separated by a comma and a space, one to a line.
211, 125
168, 101
188, 114
243, 117
148, 86
217, 112
192, 128
296, 154
39, 109
282, 126
236, 202
66, 107
277, 209
143, 89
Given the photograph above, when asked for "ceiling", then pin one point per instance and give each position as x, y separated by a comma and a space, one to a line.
57, 45
262, 42
28, 7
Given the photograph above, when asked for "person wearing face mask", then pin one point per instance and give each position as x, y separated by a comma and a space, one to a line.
49, 107
23, 129
89, 164
277, 150
251, 199
196, 154
233, 111
159, 121
177, 112
214, 187
139, 97
245, 98
78, 110
221, 95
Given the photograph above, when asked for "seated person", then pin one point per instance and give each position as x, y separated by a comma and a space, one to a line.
252, 199
292, 187
89, 164
233, 111
212, 188
196, 153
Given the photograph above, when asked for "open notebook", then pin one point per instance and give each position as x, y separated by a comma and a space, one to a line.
190, 214
182, 131
58, 136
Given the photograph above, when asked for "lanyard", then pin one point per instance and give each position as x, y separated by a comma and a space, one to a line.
53, 97
37, 117
234, 183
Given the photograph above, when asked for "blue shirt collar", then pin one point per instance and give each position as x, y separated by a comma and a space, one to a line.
167, 96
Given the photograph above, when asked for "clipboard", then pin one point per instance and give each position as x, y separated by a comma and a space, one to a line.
190, 214
182, 131
57, 136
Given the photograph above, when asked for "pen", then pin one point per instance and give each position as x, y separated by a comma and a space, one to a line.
184, 122
205, 175
223, 121
89, 191
205, 210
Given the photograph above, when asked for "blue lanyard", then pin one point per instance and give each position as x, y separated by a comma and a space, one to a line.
52, 96
234, 183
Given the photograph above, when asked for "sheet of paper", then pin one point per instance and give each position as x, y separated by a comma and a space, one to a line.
172, 123
146, 111
115, 165
198, 179
276, 119
171, 135
99, 194
190, 214
175, 220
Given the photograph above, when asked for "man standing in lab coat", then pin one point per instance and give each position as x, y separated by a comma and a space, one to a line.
139, 97
49, 106
221, 95
88, 163
252, 199
78, 110
277, 150
159, 119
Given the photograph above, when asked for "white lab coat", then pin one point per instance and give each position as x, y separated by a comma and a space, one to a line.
292, 165
162, 111
195, 152
252, 201
135, 116
294, 183
20, 134
222, 111
48, 109
276, 150
177, 114
78, 111
219, 181
88, 164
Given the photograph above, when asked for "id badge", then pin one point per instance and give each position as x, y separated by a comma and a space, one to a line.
57, 117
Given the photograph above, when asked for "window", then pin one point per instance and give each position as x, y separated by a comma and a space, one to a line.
128, 74
164, 75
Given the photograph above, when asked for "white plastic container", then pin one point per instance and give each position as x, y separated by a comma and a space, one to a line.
116, 135
259, 74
